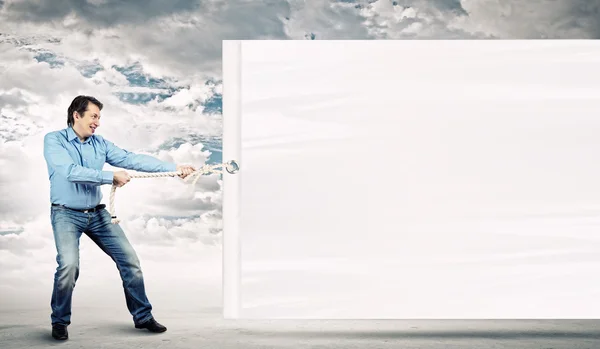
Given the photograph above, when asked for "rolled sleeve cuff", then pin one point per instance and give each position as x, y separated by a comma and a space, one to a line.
107, 177
171, 167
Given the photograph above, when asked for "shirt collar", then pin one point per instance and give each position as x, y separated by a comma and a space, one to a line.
71, 135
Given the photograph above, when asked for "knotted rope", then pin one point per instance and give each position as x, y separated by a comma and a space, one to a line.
231, 167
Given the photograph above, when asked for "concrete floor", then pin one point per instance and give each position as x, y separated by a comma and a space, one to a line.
97, 328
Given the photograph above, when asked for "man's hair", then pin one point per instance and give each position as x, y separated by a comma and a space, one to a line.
80, 104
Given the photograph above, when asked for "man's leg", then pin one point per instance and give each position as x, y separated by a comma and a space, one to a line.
67, 229
112, 240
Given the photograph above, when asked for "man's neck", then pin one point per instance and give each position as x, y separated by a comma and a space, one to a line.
82, 139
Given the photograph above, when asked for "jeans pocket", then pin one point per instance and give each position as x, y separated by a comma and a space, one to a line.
56, 211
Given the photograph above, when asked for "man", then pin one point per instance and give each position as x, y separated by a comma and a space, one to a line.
75, 157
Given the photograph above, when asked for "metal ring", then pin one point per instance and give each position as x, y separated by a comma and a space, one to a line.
232, 167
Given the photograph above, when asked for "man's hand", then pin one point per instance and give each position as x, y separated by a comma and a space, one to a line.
121, 178
185, 170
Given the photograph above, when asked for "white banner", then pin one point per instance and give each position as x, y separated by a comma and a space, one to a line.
412, 179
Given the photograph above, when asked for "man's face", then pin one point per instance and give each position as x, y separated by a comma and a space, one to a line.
87, 123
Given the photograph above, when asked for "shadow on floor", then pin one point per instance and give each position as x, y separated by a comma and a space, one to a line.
419, 334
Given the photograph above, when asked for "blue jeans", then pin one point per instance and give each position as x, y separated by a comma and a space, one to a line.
68, 225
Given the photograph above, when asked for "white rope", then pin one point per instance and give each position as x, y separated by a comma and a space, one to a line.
230, 166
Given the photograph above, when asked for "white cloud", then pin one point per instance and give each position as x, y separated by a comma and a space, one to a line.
97, 13
183, 252
184, 44
186, 96
437, 19
514, 19
24, 192
326, 20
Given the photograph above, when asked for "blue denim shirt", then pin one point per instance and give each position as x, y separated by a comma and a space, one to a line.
75, 168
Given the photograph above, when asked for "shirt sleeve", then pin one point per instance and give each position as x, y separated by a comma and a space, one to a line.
122, 158
60, 162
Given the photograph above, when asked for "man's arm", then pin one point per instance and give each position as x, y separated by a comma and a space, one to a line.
60, 161
122, 158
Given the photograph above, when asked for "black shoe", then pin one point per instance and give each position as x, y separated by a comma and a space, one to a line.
60, 332
152, 326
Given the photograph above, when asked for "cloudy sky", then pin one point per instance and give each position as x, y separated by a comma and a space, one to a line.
156, 65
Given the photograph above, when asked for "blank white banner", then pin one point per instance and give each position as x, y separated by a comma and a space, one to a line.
414, 179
